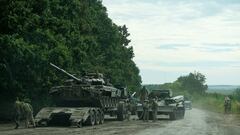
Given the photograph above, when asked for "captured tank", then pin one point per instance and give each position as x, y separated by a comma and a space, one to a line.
90, 90
167, 105
90, 93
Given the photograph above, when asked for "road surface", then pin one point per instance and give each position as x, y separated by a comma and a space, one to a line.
196, 122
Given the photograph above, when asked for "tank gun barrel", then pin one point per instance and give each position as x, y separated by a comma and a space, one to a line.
65, 72
133, 95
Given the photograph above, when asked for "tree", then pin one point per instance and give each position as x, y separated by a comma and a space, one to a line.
194, 83
76, 35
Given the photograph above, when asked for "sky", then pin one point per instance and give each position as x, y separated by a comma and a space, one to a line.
172, 38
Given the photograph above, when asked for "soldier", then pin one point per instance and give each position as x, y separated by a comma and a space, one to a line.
17, 115
128, 105
28, 111
143, 94
227, 104
25, 111
154, 109
145, 110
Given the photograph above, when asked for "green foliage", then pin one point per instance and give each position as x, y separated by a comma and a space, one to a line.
193, 83
189, 85
236, 94
210, 101
76, 35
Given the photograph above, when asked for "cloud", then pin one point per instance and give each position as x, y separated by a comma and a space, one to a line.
218, 47
171, 46
182, 36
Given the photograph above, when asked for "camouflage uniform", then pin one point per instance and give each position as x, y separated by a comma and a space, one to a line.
154, 109
145, 111
18, 108
128, 111
227, 104
23, 110
143, 94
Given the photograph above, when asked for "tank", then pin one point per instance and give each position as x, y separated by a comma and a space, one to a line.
83, 100
167, 105
89, 90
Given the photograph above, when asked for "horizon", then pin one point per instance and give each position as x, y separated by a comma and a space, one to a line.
173, 38
207, 84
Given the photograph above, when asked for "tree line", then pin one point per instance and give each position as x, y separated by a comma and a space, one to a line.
76, 35
188, 85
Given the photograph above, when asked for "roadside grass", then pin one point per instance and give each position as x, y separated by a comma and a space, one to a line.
214, 102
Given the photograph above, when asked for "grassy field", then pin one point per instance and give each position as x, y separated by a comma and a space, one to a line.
215, 102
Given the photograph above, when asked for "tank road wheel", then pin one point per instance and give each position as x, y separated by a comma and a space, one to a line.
91, 119
98, 117
121, 112
101, 117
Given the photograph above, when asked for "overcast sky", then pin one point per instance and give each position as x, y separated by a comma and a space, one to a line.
175, 37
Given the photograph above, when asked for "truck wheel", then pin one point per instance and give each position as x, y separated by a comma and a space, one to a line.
101, 118
121, 112
150, 115
97, 116
173, 115
120, 116
140, 115
182, 113
91, 119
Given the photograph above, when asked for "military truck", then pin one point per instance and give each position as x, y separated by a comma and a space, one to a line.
167, 105
83, 101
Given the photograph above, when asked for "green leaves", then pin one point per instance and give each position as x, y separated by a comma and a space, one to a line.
194, 83
77, 35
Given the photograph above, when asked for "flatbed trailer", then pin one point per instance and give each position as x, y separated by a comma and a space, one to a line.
78, 116
74, 116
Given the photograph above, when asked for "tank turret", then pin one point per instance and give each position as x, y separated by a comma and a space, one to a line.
88, 90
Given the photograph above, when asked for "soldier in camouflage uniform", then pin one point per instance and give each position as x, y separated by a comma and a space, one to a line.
143, 94
25, 111
17, 117
145, 111
154, 107
128, 105
227, 104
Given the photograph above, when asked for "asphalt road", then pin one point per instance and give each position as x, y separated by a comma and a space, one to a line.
196, 122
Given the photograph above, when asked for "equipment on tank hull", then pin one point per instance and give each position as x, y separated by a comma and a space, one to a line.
84, 100
167, 105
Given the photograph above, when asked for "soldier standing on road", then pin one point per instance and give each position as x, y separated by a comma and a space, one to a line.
227, 104
128, 110
17, 115
154, 109
28, 111
145, 110
25, 111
